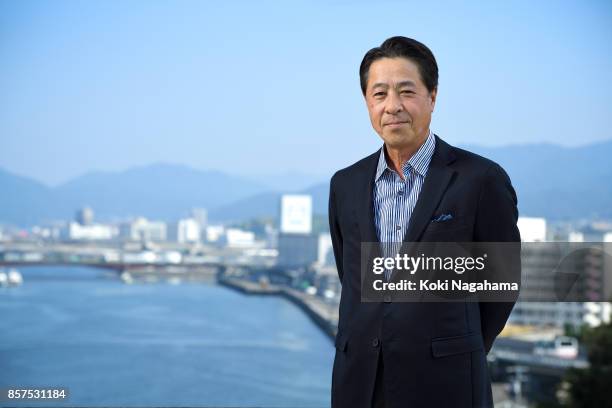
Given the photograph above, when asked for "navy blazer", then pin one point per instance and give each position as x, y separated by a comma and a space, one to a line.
434, 353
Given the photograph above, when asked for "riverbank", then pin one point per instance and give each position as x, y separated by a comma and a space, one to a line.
323, 314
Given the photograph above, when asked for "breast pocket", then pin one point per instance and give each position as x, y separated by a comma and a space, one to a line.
449, 225
455, 230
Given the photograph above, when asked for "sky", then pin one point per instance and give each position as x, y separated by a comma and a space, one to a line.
263, 88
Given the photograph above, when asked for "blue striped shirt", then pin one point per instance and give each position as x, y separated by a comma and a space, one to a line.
395, 199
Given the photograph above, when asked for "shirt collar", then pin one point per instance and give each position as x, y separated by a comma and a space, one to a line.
419, 161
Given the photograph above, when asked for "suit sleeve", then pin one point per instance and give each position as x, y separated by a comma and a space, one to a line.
334, 228
496, 220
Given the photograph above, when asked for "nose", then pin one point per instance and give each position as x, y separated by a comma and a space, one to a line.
393, 104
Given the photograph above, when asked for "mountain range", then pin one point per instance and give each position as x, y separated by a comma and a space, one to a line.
559, 183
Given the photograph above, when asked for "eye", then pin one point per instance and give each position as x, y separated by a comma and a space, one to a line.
379, 94
407, 92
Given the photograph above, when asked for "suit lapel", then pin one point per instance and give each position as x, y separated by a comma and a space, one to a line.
436, 182
365, 207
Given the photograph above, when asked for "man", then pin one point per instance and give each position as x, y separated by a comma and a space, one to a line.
393, 354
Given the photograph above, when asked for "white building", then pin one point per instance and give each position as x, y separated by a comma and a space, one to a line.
76, 231
185, 230
296, 214
142, 229
214, 232
575, 236
297, 246
597, 313
325, 253
188, 230
532, 229
237, 238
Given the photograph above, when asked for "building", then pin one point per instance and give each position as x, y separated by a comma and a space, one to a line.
85, 216
297, 250
93, 232
296, 214
575, 236
532, 229
297, 246
561, 314
325, 252
188, 230
214, 233
201, 217
142, 229
237, 238
581, 274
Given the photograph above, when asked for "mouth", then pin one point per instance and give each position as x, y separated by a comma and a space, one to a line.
395, 124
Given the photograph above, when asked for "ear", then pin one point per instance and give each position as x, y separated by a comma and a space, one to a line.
433, 95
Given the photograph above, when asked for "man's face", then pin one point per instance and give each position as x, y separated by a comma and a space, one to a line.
399, 104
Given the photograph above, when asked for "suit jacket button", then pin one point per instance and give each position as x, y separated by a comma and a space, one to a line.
375, 342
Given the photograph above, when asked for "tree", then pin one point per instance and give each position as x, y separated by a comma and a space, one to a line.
592, 387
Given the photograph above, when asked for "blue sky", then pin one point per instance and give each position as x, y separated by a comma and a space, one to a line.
266, 87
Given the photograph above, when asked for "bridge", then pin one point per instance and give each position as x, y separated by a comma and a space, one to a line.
166, 258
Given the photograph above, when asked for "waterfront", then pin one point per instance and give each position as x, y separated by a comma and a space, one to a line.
159, 344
